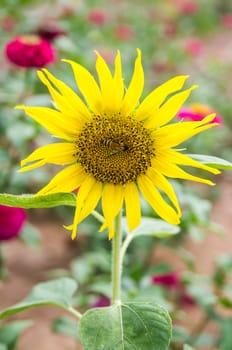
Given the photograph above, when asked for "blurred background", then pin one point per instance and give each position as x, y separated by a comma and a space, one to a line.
191, 274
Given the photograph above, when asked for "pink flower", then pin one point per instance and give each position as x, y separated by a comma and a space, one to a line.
98, 16
30, 51
170, 280
187, 7
226, 20
101, 302
8, 23
11, 222
124, 32
197, 112
193, 46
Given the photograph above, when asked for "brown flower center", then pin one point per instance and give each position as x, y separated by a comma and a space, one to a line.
115, 149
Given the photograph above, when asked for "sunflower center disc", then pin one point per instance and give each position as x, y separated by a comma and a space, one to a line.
115, 149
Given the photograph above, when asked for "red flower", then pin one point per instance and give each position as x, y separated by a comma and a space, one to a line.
30, 51
124, 32
11, 222
170, 280
98, 17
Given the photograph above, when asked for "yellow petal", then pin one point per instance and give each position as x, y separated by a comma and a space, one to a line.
56, 153
106, 84
73, 101
132, 201
168, 111
154, 198
86, 187
88, 87
91, 201
164, 185
135, 88
158, 96
175, 157
32, 166
67, 180
174, 134
63, 104
112, 199
174, 171
118, 82
53, 121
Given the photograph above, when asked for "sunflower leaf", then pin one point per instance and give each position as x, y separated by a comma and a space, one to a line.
153, 227
28, 201
214, 162
58, 292
132, 325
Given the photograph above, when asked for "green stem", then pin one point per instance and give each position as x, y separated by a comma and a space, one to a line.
125, 245
76, 313
116, 261
98, 216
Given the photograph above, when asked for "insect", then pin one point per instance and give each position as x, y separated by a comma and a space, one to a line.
115, 146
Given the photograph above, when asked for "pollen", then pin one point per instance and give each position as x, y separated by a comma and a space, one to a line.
114, 149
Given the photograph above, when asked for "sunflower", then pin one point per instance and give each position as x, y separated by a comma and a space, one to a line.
113, 146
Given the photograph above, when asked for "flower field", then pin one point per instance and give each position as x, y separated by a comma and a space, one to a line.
115, 175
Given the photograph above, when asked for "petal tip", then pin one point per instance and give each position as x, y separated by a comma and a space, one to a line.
139, 53
20, 107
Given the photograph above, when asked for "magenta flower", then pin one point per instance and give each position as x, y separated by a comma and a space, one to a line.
30, 51
186, 300
170, 280
11, 222
197, 112
101, 302
50, 31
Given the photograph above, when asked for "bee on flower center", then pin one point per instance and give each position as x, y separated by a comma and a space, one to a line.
115, 146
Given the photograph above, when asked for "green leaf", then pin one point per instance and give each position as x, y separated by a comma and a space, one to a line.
28, 201
66, 325
10, 333
153, 227
132, 325
214, 162
226, 339
58, 292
